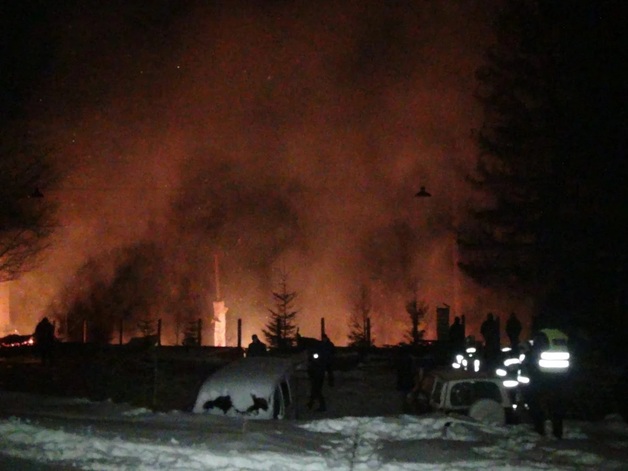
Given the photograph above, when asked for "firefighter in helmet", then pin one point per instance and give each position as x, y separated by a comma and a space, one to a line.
546, 366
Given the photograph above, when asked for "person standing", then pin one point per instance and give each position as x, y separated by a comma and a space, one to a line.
490, 332
547, 366
257, 348
316, 369
456, 336
513, 330
44, 340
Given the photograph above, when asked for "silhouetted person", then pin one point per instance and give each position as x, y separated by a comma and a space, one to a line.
257, 348
490, 332
513, 330
547, 391
44, 340
456, 336
316, 369
404, 365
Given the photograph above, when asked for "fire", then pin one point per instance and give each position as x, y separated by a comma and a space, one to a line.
16, 340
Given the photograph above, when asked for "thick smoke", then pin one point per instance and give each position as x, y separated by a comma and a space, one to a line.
274, 135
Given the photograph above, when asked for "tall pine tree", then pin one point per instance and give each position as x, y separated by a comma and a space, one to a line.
359, 320
551, 162
280, 332
416, 311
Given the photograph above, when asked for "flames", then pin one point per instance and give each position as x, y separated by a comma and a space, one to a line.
16, 340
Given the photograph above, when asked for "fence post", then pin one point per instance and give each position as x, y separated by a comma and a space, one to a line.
199, 326
159, 332
84, 330
368, 332
239, 333
322, 327
155, 373
120, 330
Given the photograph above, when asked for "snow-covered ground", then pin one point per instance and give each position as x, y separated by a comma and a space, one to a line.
363, 430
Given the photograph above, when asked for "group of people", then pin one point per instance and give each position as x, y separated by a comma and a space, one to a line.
319, 365
545, 392
490, 330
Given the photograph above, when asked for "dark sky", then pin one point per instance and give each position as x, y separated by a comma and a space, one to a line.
307, 126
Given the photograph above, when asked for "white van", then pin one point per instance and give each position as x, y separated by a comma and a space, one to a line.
478, 395
255, 388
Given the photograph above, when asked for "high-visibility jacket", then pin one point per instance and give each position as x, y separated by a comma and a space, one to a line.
551, 352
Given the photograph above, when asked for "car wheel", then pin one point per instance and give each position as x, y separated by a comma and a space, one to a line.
488, 411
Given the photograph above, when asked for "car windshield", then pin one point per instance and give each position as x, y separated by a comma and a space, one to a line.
466, 393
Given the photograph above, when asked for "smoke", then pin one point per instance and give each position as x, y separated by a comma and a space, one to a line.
274, 135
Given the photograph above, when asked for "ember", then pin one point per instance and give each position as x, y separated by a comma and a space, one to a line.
16, 340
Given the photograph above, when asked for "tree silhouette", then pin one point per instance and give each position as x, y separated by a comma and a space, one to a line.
27, 215
359, 320
417, 311
281, 329
146, 327
551, 172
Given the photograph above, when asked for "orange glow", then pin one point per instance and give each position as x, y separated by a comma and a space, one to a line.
281, 136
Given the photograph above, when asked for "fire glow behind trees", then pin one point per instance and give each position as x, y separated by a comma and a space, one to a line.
283, 133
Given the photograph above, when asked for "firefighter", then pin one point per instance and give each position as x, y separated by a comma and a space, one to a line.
547, 366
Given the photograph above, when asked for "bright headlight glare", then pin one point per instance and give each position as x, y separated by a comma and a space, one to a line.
510, 383
500, 372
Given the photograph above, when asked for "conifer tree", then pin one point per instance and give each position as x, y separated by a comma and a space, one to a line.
551, 171
359, 319
280, 331
417, 311
513, 229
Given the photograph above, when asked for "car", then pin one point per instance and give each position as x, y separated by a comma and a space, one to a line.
252, 388
479, 395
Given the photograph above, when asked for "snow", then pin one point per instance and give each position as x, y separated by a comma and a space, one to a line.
244, 380
73, 433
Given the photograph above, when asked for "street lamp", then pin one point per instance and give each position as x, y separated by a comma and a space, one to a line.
423, 193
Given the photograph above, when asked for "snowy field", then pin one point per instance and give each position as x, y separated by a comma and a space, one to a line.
362, 430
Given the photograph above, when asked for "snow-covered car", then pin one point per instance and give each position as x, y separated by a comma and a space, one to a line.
255, 388
478, 395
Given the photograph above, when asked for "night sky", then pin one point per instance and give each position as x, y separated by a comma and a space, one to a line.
279, 135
